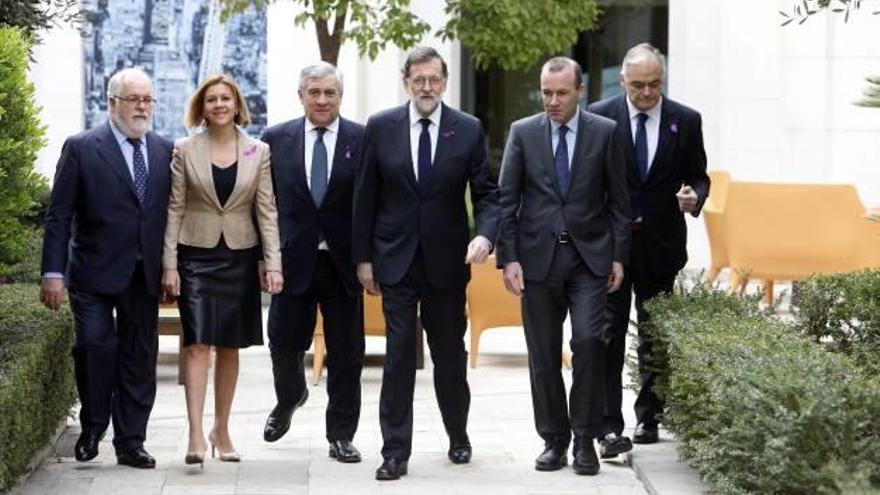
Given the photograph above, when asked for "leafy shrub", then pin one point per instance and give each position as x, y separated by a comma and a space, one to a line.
21, 137
760, 409
36, 376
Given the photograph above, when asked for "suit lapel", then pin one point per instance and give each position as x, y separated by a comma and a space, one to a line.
445, 141
157, 160
668, 123
341, 153
580, 143
544, 134
109, 150
201, 161
297, 137
624, 132
247, 167
401, 122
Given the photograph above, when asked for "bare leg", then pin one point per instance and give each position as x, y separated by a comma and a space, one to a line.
197, 363
225, 378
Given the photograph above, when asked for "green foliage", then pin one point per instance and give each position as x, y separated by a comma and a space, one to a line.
36, 376
21, 137
760, 409
871, 94
843, 311
510, 33
34, 16
515, 33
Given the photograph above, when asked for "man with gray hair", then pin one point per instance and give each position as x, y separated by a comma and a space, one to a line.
313, 162
105, 225
666, 176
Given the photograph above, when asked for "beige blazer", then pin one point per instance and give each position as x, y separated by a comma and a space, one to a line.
195, 217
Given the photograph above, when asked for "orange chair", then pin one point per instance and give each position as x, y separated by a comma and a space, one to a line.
790, 231
491, 306
713, 216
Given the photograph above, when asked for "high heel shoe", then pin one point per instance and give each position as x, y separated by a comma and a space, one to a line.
231, 456
194, 458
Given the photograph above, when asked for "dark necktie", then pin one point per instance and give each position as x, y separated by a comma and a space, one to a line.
140, 170
319, 167
642, 147
560, 159
424, 155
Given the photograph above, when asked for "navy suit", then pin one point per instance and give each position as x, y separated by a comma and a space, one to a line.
417, 242
659, 242
109, 245
312, 277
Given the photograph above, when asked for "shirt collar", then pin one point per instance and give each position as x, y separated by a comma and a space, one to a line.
415, 116
572, 123
333, 127
653, 113
120, 137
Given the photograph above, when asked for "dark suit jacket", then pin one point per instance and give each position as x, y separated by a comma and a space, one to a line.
299, 218
595, 208
680, 158
392, 217
95, 226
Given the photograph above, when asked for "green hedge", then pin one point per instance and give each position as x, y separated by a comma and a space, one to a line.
757, 407
36, 376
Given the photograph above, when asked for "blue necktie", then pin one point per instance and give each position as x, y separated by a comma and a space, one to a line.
560, 159
318, 181
642, 147
140, 170
424, 155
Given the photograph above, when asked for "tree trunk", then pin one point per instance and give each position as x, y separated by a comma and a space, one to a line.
330, 43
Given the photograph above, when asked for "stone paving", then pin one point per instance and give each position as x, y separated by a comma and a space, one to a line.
501, 430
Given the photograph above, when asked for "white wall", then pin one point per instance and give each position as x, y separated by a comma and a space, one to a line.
776, 101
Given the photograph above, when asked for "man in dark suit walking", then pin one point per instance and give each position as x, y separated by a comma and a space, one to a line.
314, 160
103, 240
562, 242
411, 241
666, 175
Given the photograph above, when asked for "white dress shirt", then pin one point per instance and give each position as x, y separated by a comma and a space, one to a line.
311, 135
415, 130
652, 126
128, 149
570, 136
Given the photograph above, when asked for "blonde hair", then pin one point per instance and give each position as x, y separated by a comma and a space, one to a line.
195, 111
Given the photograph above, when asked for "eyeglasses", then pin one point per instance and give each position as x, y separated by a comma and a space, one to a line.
134, 100
433, 81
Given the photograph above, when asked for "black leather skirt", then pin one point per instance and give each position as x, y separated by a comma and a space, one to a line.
220, 296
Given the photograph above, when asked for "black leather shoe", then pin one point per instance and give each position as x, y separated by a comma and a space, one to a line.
86, 447
137, 458
460, 452
645, 434
344, 451
391, 469
552, 459
584, 460
612, 445
278, 421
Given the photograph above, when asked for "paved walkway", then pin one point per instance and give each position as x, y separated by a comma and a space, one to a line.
501, 429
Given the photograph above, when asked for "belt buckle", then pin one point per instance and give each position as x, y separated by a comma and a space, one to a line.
563, 237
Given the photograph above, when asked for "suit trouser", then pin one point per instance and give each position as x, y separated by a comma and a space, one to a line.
115, 362
444, 321
569, 287
292, 319
645, 285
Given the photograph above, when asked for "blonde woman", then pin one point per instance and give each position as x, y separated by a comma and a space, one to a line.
212, 247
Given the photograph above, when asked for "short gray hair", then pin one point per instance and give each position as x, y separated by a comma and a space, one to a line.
114, 86
637, 55
559, 64
320, 70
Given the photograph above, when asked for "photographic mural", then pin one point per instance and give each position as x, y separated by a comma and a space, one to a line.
179, 43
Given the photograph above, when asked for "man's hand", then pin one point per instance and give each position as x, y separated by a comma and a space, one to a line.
687, 199
274, 282
513, 278
365, 277
52, 293
478, 250
616, 276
